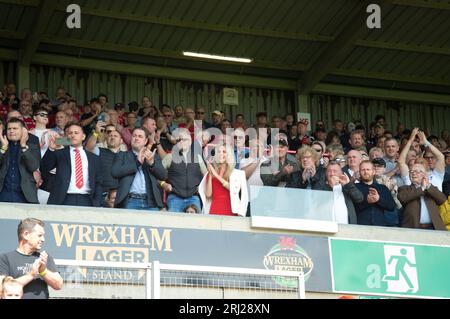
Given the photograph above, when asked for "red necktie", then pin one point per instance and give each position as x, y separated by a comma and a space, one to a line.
78, 170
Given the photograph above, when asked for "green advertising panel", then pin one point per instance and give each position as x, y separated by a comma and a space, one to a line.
390, 269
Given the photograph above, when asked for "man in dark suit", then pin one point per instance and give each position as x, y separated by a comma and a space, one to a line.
78, 176
18, 160
138, 171
377, 198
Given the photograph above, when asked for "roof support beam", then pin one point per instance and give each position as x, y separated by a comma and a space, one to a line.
33, 37
424, 4
185, 24
340, 48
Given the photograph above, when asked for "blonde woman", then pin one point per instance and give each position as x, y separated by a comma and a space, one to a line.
220, 187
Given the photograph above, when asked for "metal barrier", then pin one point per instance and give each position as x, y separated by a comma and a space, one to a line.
111, 280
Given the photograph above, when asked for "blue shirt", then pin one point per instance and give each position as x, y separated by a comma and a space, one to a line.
13, 177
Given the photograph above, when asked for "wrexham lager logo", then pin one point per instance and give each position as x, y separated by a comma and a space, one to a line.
288, 256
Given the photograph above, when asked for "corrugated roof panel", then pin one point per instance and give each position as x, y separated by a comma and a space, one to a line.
276, 19
152, 35
27, 18
128, 33
106, 26
114, 33
140, 34
182, 9
261, 21
14, 16
335, 18
388, 21
218, 14
231, 11
204, 14
244, 15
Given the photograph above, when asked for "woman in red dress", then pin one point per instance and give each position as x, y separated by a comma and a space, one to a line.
224, 188
217, 183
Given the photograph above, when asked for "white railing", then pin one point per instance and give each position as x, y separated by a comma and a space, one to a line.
85, 279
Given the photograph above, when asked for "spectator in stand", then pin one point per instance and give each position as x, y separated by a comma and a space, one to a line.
320, 148
261, 121
421, 200
107, 155
28, 264
89, 120
391, 217
354, 159
252, 164
148, 109
189, 115
163, 135
19, 159
239, 122
41, 131
312, 175
61, 120
78, 176
103, 100
217, 117
120, 109
26, 110
185, 168
377, 198
200, 115
391, 154
290, 121
138, 171
11, 95
376, 152
345, 194
224, 189
356, 140
179, 115
435, 159
225, 125
73, 107
337, 154
191, 209
332, 139
401, 130
279, 168
128, 130
154, 141
240, 149
320, 135
26, 95
302, 138
445, 136
12, 289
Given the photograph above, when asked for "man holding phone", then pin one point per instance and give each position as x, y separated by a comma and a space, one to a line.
78, 174
377, 198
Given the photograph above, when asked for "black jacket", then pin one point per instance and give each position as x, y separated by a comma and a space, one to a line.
124, 168
60, 160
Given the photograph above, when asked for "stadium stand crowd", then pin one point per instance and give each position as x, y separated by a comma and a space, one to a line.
139, 156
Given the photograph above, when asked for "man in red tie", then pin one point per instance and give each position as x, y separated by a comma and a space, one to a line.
78, 177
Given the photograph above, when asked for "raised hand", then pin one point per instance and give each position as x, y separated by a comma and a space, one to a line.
24, 138
4, 140
149, 156
288, 169
344, 179
141, 155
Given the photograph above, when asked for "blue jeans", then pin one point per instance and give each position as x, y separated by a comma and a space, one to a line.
176, 204
139, 204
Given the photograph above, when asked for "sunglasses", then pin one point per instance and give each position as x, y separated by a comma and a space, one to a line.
42, 114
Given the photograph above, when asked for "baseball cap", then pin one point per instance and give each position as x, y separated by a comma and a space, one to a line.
379, 161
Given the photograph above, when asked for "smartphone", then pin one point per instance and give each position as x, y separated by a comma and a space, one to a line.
101, 118
63, 141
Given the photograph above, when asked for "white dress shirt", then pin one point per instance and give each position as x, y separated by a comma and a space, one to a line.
339, 207
73, 189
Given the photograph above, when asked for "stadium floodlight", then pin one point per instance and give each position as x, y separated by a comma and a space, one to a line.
217, 57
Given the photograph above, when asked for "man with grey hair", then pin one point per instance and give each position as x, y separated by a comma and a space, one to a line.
30, 266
